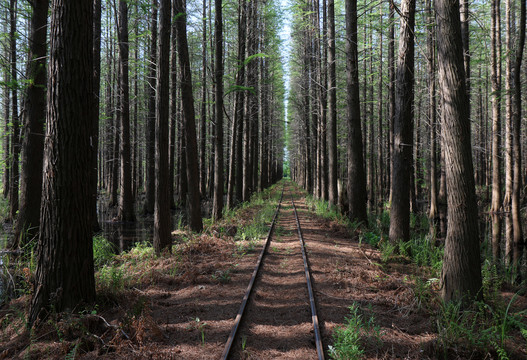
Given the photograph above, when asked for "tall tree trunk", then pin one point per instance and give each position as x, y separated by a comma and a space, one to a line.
126, 200
380, 130
324, 105
195, 221
496, 127
97, 8
517, 115
15, 123
356, 175
162, 226
7, 137
174, 114
28, 220
434, 210
402, 147
203, 116
65, 273
217, 206
151, 117
461, 274
507, 198
332, 108
391, 96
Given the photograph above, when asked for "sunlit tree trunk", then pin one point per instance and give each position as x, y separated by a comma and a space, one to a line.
495, 60
461, 274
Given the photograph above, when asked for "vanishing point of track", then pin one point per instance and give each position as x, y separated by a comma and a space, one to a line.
257, 270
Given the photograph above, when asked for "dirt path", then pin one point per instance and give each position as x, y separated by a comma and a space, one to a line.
186, 305
278, 321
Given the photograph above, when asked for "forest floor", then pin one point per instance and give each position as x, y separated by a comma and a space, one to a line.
182, 306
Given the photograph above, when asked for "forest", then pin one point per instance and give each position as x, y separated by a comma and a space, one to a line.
150, 149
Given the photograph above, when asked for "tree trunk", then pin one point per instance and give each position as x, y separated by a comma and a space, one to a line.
461, 274
65, 274
517, 115
15, 123
162, 225
126, 199
356, 175
496, 127
434, 211
195, 221
402, 128
96, 106
151, 117
332, 108
28, 220
217, 206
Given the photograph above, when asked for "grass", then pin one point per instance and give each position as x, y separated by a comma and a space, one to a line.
348, 340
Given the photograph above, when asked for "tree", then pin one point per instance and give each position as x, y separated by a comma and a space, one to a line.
517, 115
402, 127
28, 220
162, 226
95, 122
217, 206
126, 199
150, 120
332, 107
15, 122
461, 273
433, 213
65, 273
495, 65
195, 221
356, 175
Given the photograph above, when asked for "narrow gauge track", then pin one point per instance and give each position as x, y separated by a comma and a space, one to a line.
256, 279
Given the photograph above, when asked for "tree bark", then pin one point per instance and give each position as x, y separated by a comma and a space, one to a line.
28, 220
151, 117
217, 206
461, 273
15, 122
495, 49
162, 220
332, 108
126, 199
356, 175
195, 221
65, 273
518, 240
403, 122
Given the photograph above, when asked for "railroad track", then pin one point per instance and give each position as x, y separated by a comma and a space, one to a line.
257, 275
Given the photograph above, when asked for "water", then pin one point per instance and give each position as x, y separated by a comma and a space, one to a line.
125, 235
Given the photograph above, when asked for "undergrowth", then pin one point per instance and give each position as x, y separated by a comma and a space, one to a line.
349, 340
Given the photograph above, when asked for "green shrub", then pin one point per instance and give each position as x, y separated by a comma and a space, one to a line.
103, 251
348, 340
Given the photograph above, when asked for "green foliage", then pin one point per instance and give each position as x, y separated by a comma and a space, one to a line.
103, 251
491, 282
111, 278
348, 340
480, 328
